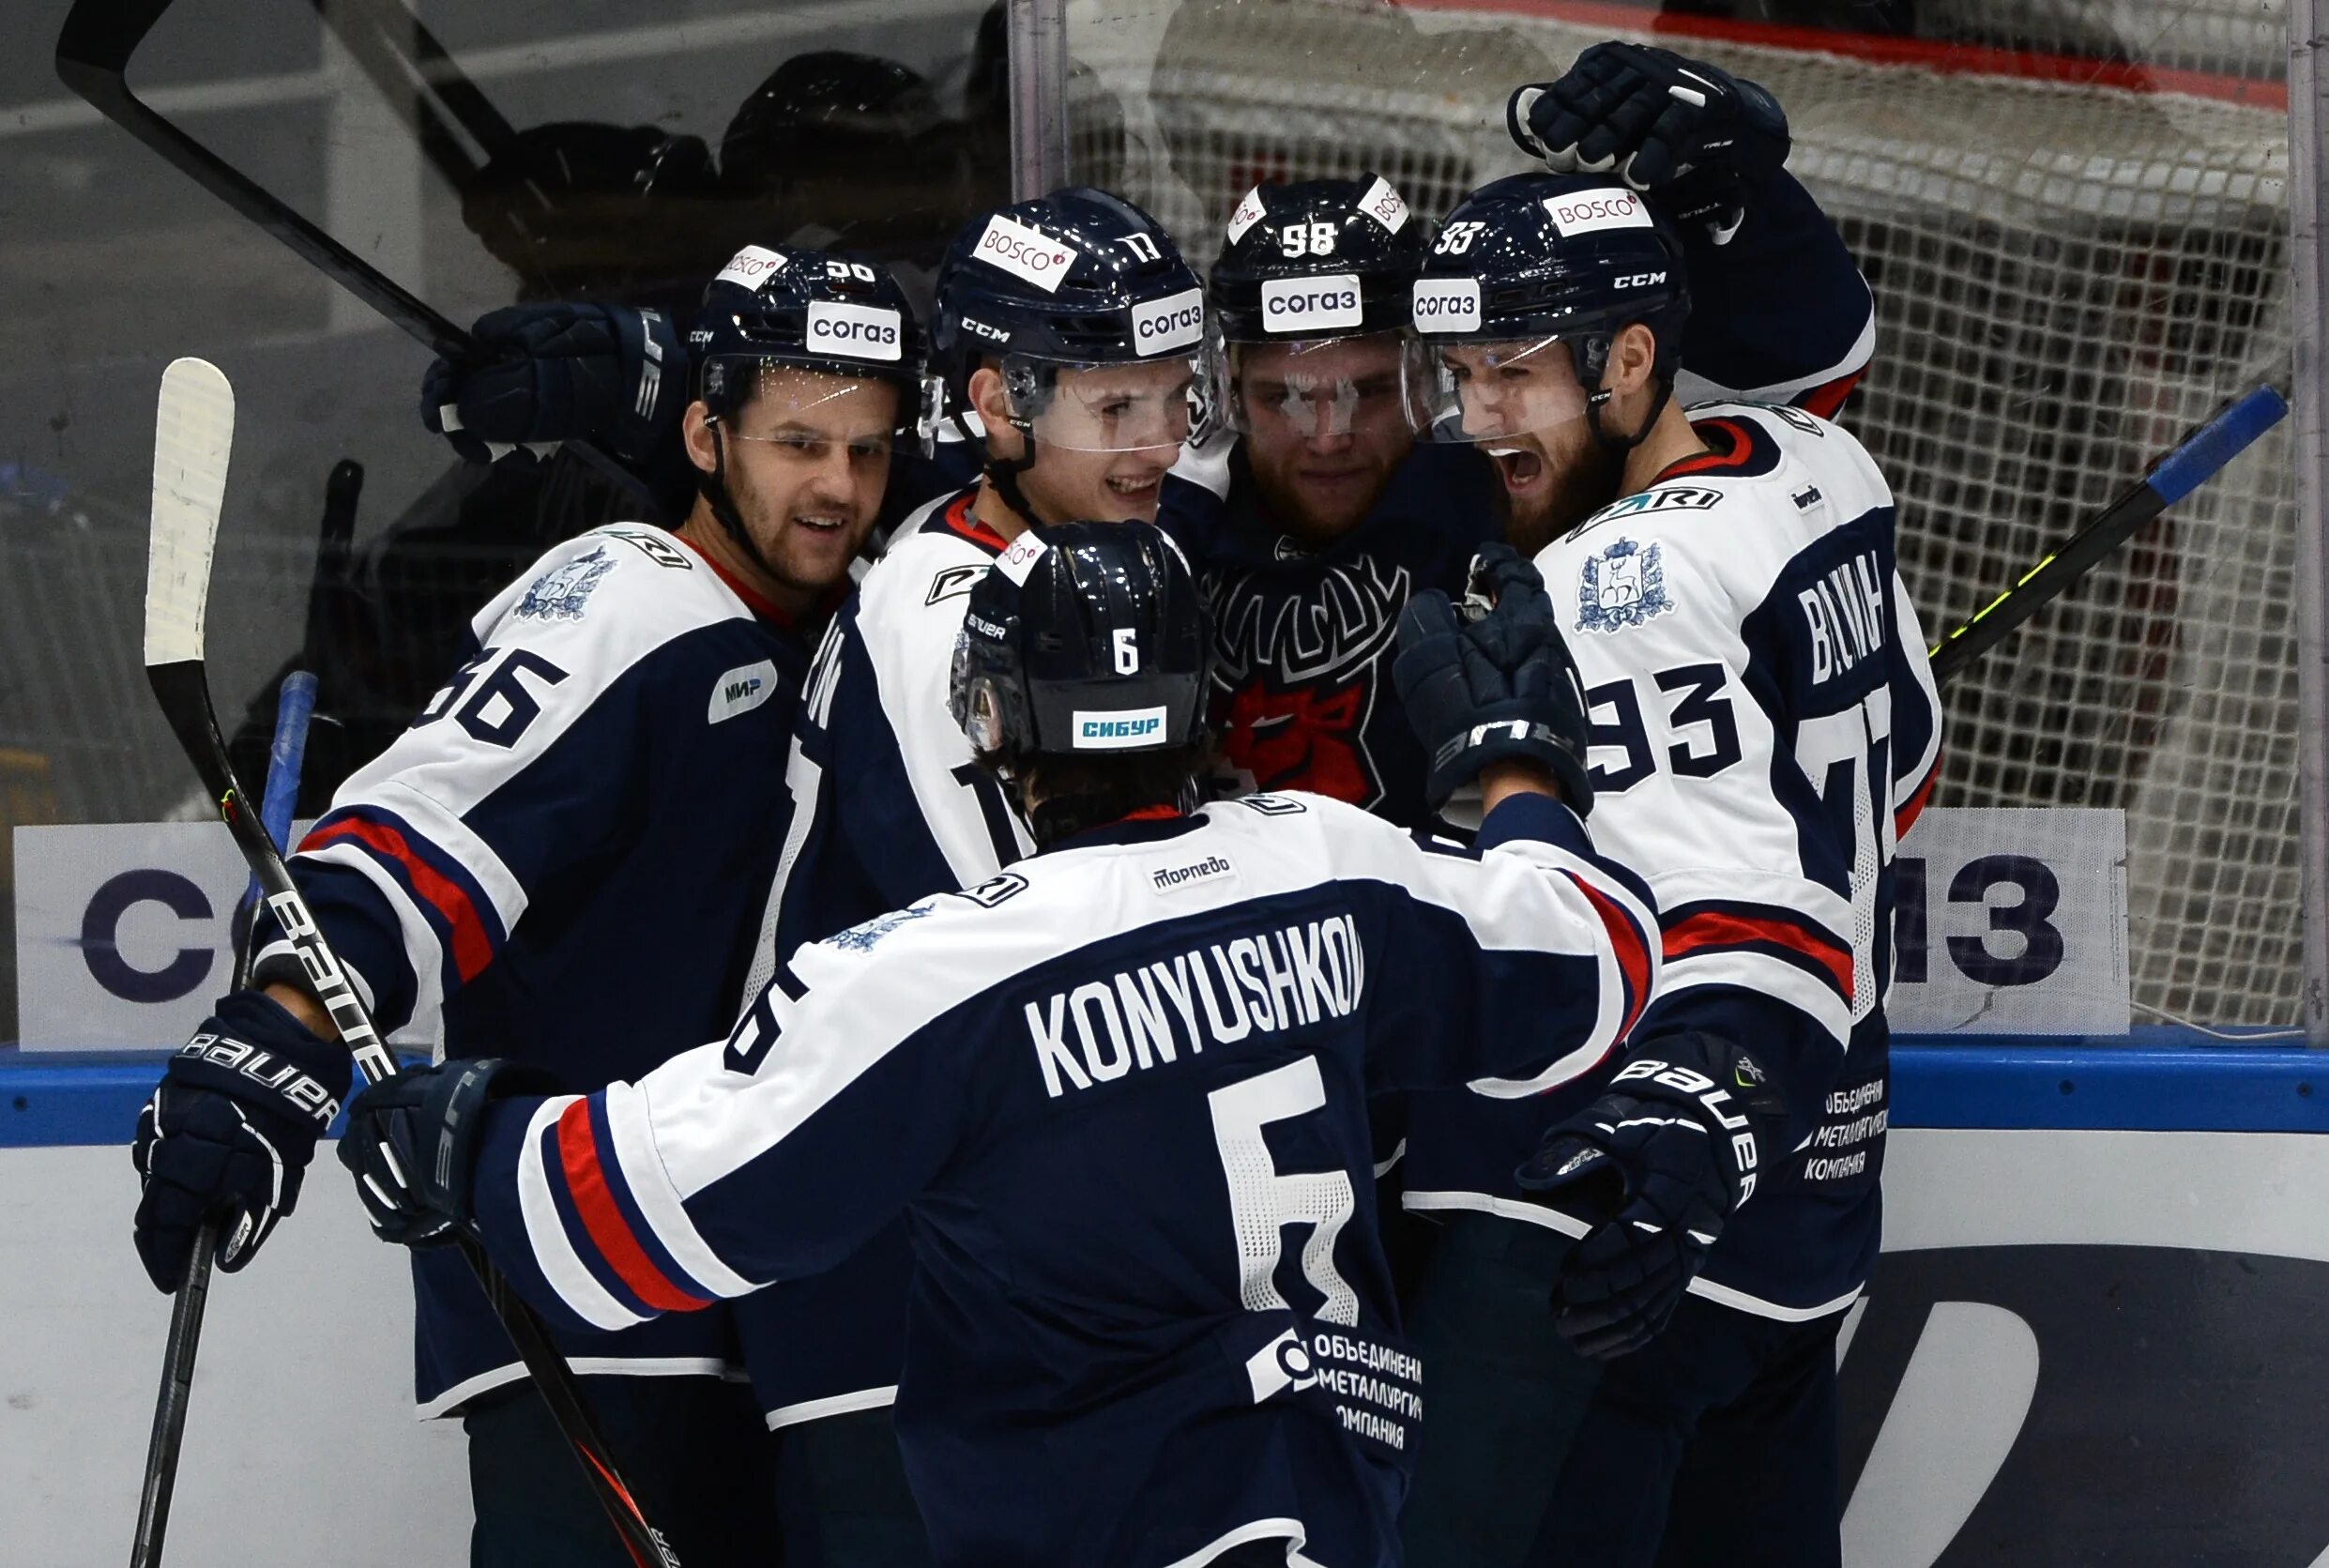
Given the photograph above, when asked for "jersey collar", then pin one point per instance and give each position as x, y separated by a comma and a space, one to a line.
1148, 825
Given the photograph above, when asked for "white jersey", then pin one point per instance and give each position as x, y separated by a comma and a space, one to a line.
1765, 724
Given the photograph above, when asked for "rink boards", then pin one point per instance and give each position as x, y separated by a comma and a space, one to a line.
2096, 1334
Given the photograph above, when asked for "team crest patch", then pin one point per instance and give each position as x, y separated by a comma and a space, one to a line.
1623, 586
861, 939
559, 593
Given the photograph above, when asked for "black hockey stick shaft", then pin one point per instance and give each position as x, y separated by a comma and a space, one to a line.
92, 52
2196, 459
168, 1437
183, 692
177, 1388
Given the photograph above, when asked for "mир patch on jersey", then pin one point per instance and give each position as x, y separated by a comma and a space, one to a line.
560, 593
1623, 586
741, 689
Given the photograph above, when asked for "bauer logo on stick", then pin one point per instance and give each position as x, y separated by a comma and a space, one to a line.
1025, 252
854, 332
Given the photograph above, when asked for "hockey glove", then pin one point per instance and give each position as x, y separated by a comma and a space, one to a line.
1493, 682
561, 372
411, 1143
1690, 135
1661, 1161
230, 1131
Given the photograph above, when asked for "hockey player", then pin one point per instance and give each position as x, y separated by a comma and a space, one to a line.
1765, 724
528, 867
1103, 1086
1333, 514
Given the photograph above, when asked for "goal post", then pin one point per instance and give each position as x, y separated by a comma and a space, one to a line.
2075, 218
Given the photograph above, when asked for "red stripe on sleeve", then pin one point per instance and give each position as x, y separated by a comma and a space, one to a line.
1905, 817
1719, 928
1825, 398
578, 1154
472, 948
1631, 950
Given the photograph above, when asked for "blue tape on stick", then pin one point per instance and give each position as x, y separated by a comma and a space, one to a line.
2216, 443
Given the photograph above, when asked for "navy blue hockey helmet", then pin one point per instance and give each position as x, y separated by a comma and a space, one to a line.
1086, 639
806, 310
1321, 259
1533, 260
1076, 281
1307, 266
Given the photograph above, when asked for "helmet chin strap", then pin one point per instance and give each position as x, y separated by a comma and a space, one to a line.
1597, 397
1003, 474
713, 487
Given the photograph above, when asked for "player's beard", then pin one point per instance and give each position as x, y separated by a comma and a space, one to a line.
798, 554
1578, 480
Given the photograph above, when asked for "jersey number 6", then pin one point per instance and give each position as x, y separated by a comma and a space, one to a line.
1264, 1200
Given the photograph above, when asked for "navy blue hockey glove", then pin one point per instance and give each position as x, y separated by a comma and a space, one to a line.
1689, 135
1660, 1161
561, 372
230, 1131
411, 1143
1495, 682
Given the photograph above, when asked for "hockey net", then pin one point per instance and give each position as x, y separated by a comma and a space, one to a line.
2072, 213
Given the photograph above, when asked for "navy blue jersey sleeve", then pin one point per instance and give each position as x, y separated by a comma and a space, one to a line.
1780, 313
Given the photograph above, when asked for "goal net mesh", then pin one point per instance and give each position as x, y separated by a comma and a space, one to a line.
2073, 214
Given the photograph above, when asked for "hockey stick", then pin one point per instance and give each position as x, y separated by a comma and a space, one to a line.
417, 75
92, 52
293, 709
2196, 459
193, 432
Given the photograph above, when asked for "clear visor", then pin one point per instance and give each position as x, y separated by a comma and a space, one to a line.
1506, 393
813, 415
1326, 389
1146, 406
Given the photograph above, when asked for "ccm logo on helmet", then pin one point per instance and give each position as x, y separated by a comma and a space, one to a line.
1298, 304
853, 331
1446, 304
1119, 730
1025, 252
1640, 279
1173, 322
1590, 210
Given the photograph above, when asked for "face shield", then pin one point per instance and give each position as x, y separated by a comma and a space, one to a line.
810, 415
1144, 406
1511, 393
1376, 385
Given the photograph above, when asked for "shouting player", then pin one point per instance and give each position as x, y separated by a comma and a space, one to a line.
484, 881
1764, 723
1120, 1090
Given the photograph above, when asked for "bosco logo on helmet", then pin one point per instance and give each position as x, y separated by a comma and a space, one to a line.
854, 332
752, 266
1025, 252
1588, 211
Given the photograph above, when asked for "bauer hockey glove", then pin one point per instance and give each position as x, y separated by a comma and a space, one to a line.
412, 1143
561, 372
1493, 682
230, 1131
1660, 1161
1688, 134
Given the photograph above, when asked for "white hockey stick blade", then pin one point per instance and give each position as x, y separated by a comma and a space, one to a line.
194, 435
